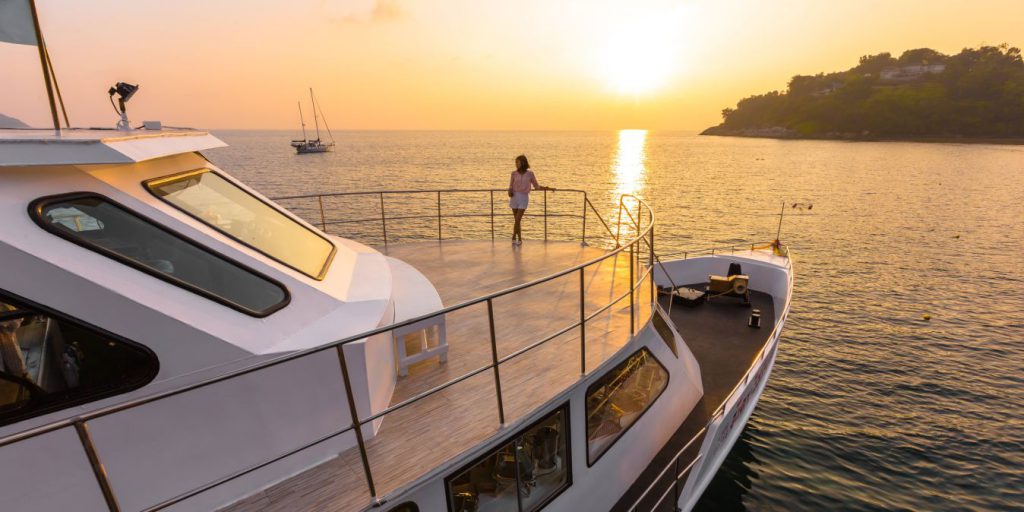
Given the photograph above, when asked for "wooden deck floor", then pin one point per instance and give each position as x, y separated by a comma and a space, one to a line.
429, 432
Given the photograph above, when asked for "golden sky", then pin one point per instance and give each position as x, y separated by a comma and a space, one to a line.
465, 64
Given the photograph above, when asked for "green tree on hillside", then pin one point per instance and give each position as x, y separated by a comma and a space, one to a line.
979, 93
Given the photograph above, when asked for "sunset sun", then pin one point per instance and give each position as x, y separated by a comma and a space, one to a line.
640, 53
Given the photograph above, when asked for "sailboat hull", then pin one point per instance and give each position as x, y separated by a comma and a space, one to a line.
312, 146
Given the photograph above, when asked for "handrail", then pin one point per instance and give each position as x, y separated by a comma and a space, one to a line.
440, 216
753, 246
357, 423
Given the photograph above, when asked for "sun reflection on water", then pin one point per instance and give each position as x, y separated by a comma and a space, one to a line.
629, 162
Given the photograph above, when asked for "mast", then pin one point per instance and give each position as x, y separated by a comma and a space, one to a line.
316, 106
43, 61
315, 120
302, 120
782, 214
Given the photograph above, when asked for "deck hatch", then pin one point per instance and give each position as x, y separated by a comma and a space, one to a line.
99, 224
221, 204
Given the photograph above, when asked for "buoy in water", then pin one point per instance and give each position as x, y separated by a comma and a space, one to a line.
926, 316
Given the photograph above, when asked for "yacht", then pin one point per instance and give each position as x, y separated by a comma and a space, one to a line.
307, 145
172, 339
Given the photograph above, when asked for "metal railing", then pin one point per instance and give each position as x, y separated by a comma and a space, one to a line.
439, 214
721, 249
631, 246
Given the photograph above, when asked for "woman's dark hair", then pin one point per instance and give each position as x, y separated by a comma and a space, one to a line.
522, 164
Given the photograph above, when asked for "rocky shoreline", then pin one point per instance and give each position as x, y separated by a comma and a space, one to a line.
779, 132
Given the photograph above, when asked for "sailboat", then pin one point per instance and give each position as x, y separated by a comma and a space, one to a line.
316, 145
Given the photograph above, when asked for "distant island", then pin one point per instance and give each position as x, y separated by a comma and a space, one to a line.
10, 122
977, 94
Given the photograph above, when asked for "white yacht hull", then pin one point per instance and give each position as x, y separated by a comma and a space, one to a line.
723, 433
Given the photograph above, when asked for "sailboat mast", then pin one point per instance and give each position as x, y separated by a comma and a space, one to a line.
315, 120
302, 121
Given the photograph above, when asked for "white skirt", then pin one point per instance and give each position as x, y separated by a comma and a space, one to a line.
519, 201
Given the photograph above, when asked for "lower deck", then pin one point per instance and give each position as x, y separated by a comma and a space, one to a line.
725, 347
427, 433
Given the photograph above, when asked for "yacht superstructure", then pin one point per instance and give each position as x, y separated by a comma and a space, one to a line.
182, 342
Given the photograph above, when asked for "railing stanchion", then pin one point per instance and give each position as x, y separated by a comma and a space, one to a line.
383, 221
494, 362
357, 426
639, 221
323, 218
632, 286
583, 238
492, 215
600, 218
438, 215
97, 467
583, 327
675, 482
618, 226
545, 215
650, 265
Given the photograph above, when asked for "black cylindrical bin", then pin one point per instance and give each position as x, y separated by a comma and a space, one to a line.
755, 319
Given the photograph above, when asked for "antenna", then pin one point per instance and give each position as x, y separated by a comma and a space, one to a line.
782, 213
124, 92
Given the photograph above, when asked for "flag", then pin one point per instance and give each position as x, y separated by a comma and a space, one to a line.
16, 22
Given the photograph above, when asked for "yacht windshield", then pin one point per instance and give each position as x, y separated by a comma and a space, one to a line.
235, 212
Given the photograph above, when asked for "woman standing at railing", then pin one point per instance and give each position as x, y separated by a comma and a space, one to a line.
519, 186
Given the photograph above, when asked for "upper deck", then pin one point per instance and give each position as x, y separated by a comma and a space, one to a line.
437, 426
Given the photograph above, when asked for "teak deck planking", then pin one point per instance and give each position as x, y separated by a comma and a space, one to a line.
434, 430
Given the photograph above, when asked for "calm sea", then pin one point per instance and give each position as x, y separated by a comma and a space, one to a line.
870, 406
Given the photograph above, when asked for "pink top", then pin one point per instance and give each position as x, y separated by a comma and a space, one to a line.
521, 182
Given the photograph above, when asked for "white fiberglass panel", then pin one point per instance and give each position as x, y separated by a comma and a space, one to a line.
48, 472
166, 448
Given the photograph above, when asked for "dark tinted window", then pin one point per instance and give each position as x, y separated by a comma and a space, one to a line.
522, 475
49, 363
406, 507
665, 332
231, 210
100, 225
619, 398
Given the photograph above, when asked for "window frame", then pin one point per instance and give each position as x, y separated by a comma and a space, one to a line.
48, 408
150, 183
566, 413
586, 415
35, 211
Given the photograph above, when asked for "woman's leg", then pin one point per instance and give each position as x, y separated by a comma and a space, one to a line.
517, 228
